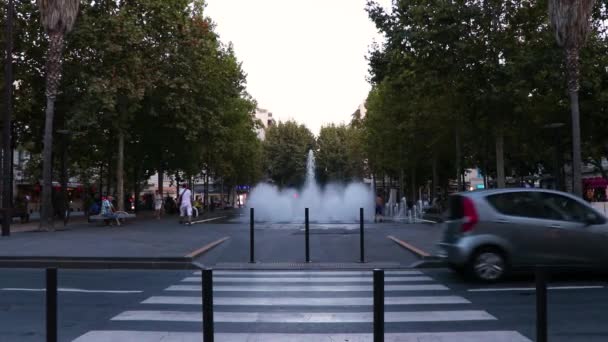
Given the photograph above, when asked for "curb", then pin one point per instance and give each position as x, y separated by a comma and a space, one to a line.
313, 266
430, 263
205, 248
417, 251
100, 263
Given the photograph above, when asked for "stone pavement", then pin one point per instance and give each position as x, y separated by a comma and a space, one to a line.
143, 237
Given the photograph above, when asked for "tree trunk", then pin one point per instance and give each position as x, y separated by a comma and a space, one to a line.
120, 194
572, 65
46, 214
65, 203
500, 158
401, 185
458, 161
53, 77
100, 180
435, 179
160, 181
135, 187
414, 182
109, 179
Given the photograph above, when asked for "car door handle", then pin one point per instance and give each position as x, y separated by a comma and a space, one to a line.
554, 226
502, 221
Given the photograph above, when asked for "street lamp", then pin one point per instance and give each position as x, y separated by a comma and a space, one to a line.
555, 126
7, 160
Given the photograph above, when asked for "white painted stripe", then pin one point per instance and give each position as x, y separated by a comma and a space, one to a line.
329, 301
387, 273
158, 336
208, 220
306, 279
62, 289
506, 289
309, 288
305, 317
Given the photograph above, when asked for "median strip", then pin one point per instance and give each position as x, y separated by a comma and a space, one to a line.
420, 253
206, 248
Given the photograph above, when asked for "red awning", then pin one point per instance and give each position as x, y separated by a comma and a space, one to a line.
596, 182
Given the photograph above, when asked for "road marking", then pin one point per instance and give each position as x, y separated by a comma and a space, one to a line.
307, 280
311, 288
62, 289
409, 247
158, 336
305, 317
387, 273
206, 248
505, 289
209, 220
305, 301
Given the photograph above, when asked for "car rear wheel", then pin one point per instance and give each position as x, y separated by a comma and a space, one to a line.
488, 265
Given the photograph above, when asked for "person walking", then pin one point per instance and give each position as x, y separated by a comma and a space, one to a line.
185, 204
158, 204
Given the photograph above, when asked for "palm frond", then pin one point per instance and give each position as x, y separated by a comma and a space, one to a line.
570, 20
58, 16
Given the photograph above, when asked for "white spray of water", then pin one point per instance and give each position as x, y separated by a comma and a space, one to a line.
334, 203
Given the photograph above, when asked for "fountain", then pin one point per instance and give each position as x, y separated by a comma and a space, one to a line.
333, 203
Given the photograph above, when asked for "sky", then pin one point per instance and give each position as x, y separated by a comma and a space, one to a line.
304, 60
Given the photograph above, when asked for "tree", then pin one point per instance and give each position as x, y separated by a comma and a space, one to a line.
571, 22
285, 150
57, 18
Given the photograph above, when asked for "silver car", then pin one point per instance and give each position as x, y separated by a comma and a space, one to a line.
488, 233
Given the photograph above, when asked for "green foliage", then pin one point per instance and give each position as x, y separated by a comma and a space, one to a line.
339, 156
153, 70
472, 70
285, 151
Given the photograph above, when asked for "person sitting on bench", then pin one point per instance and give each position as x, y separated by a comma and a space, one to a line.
107, 210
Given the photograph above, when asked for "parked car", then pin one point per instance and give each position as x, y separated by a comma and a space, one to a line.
489, 233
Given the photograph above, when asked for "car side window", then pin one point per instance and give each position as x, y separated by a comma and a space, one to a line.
523, 204
569, 209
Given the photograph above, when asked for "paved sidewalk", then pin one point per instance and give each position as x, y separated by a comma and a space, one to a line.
144, 237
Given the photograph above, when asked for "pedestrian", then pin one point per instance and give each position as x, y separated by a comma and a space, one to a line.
107, 210
158, 204
379, 209
185, 204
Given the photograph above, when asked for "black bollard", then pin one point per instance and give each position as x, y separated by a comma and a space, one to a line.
307, 235
541, 305
251, 237
361, 236
378, 305
51, 305
207, 289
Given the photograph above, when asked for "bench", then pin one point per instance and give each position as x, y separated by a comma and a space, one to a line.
121, 215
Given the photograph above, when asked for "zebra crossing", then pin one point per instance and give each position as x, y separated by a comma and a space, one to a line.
305, 306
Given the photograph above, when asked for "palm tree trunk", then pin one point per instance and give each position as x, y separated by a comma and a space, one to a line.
572, 65
53, 77
120, 192
500, 157
46, 214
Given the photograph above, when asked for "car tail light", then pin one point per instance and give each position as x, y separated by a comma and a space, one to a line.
469, 215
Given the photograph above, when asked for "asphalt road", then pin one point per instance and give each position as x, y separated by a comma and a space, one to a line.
267, 305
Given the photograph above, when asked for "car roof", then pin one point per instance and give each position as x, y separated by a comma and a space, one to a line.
488, 192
